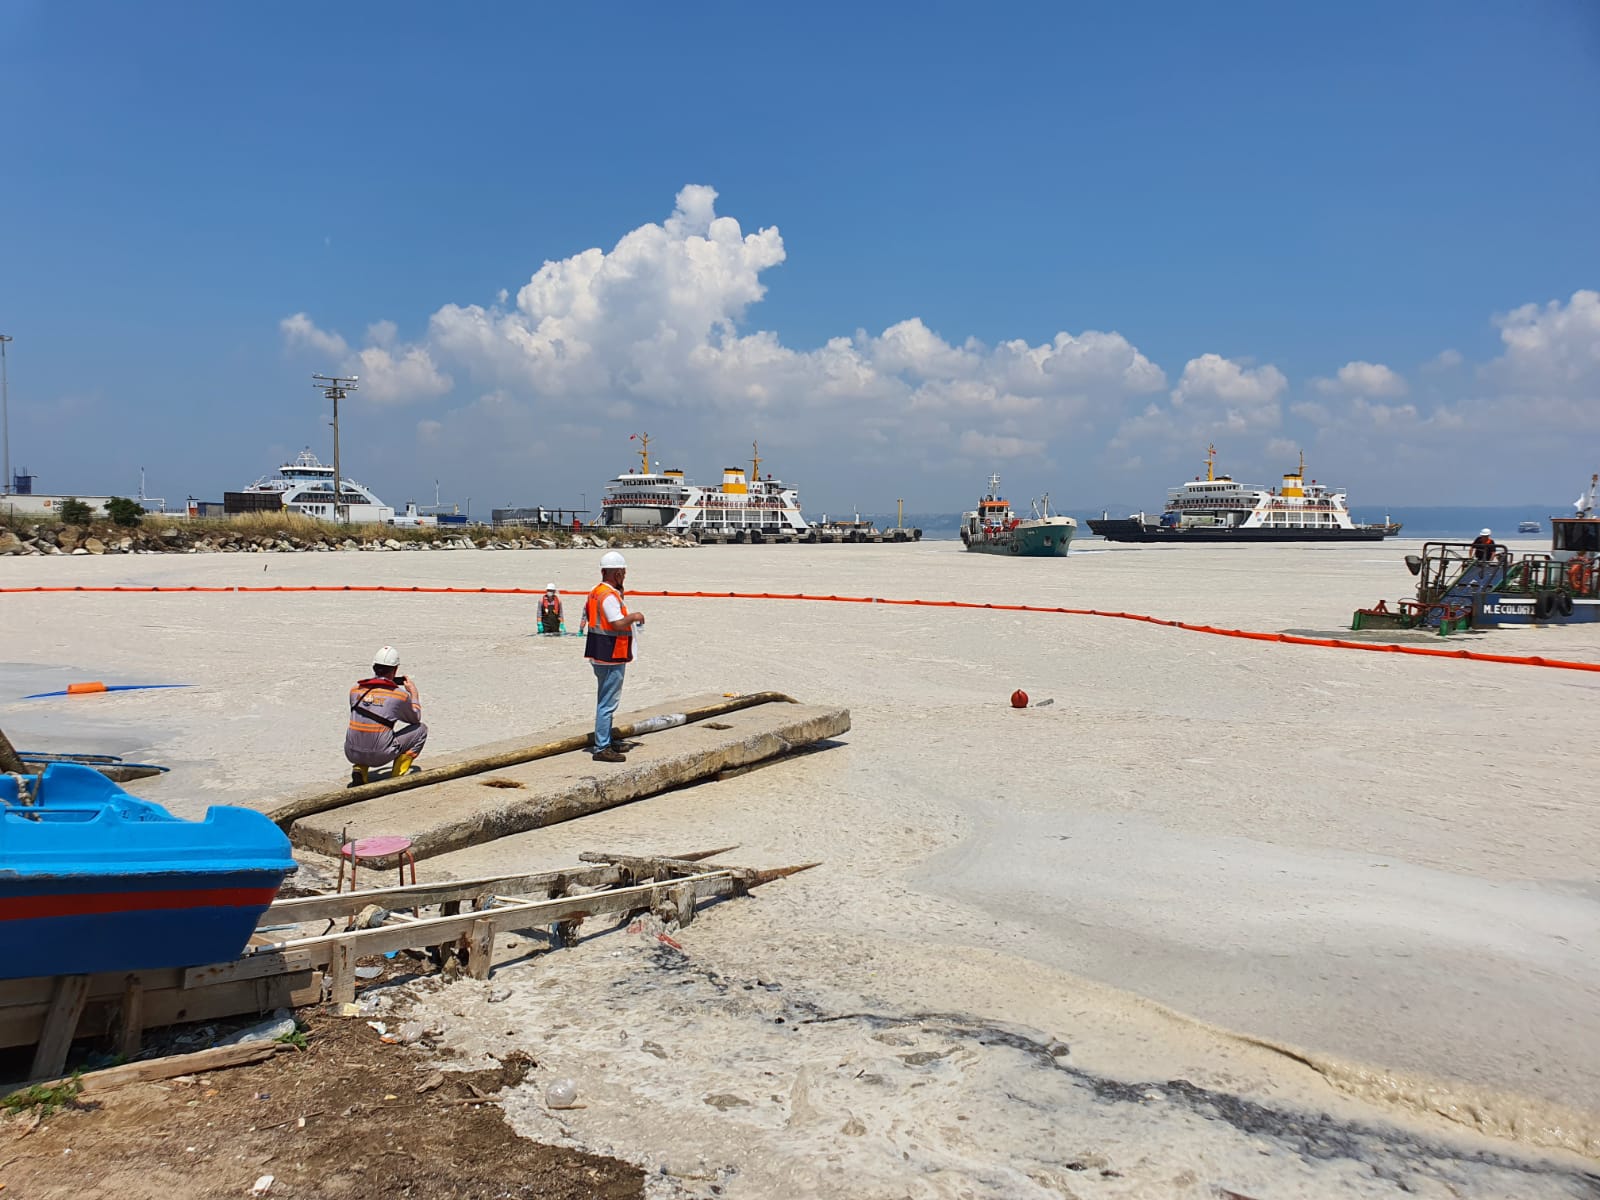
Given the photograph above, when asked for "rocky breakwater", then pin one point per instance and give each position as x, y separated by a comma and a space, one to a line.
176, 537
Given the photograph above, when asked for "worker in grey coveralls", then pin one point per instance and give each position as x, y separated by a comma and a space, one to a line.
379, 706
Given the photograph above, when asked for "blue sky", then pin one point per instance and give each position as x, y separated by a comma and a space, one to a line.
1255, 224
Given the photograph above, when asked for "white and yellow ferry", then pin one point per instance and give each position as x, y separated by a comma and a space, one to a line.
742, 506
1218, 509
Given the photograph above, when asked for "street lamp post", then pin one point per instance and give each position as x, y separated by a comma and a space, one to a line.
336, 388
585, 497
5, 416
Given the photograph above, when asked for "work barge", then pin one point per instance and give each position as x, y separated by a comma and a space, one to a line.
306, 948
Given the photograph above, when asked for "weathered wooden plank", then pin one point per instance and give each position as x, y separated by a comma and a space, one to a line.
660, 867
438, 930
173, 1065
301, 909
480, 948
23, 1025
265, 961
342, 972
60, 1025
38, 989
130, 1018
170, 1006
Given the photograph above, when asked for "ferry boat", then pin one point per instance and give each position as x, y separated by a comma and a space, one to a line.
742, 507
992, 528
1217, 509
1461, 585
305, 486
1528, 527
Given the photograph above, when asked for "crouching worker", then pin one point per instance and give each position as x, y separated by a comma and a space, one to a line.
379, 706
550, 611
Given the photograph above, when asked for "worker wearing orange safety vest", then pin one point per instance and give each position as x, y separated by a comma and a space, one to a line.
609, 648
379, 705
550, 611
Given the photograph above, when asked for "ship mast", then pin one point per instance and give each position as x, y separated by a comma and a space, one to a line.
1211, 455
755, 461
644, 450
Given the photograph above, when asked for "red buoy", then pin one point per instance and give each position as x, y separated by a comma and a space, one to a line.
1019, 699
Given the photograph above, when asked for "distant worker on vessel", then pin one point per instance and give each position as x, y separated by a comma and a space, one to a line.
379, 706
550, 611
609, 648
1483, 546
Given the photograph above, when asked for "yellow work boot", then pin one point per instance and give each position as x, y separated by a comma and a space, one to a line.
358, 776
403, 764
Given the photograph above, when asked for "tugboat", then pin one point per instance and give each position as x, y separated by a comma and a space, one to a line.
992, 528
1480, 585
1216, 509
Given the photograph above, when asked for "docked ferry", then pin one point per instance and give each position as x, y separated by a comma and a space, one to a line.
305, 486
748, 506
1217, 509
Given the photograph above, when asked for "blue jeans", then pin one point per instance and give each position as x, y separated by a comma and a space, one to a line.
609, 677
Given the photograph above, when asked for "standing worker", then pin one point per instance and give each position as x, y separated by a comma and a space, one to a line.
377, 706
1483, 546
550, 611
609, 648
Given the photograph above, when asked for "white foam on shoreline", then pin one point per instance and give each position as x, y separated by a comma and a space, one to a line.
1382, 859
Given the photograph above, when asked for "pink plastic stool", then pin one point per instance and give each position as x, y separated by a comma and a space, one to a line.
374, 848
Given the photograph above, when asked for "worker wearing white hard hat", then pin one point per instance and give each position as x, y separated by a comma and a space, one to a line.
1483, 546
550, 611
385, 720
609, 648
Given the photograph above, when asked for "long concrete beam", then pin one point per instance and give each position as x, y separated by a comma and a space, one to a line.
467, 811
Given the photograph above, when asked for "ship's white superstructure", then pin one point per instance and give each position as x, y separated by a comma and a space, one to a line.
665, 500
1218, 501
305, 486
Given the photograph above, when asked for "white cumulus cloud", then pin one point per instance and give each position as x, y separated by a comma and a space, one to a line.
300, 331
658, 324
1555, 347
1362, 379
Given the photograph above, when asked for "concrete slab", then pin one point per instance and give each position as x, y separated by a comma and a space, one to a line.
457, 813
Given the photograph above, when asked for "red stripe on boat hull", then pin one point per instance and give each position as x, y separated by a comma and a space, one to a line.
32, 908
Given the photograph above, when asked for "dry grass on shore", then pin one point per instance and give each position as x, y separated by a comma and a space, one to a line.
298, 525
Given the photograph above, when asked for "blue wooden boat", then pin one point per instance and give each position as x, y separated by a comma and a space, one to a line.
93, 879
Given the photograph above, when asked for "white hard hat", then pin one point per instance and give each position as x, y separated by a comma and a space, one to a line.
549, 587
387, 656
612, 561
1484, 533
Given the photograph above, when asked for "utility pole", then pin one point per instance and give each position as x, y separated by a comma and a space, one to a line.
336, 388
5, 415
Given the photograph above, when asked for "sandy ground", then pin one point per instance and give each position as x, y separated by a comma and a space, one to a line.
1387, 862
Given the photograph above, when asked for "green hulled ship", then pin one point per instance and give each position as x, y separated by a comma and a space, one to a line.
993, 528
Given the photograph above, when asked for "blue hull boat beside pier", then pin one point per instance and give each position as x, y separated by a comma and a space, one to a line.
93, 879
